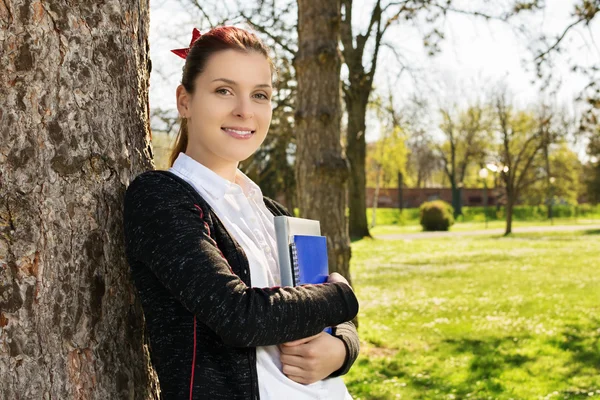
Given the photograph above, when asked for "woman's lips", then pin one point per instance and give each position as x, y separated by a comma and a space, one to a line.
238, 134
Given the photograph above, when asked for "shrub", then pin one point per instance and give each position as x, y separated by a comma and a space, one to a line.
436, 216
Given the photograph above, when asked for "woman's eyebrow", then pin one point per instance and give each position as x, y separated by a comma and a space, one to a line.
234, 83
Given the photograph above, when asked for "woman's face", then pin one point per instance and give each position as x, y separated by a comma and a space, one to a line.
230, 111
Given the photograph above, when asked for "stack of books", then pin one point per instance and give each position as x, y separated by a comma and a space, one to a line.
302, 252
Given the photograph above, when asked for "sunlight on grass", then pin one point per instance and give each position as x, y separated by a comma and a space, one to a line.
480, 317
414, 226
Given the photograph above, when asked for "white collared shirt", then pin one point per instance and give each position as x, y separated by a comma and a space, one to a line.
240, 207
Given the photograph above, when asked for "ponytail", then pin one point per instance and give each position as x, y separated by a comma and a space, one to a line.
180, 143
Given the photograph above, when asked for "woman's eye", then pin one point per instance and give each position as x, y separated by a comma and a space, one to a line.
262, 96
223, 91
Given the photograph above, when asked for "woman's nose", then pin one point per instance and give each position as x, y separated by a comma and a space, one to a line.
243, 109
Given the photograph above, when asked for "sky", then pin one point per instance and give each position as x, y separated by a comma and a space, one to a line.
475, 55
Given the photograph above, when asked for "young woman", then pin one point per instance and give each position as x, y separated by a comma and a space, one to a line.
201, 245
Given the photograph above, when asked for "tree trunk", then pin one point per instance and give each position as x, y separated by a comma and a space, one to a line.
456, 199
74, 131
549, 193
509, 215
321, 166
376, 197
356, 150
400, 191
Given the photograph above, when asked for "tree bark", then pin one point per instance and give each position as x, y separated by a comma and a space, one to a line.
321, 167
74, 131
357, 154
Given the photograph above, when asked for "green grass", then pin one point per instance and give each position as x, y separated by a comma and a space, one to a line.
475, 226
410, 216
482, 317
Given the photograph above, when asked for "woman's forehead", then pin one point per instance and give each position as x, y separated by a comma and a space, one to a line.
237, 67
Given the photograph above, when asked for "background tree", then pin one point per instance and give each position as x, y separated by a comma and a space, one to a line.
429, 16
592, 169
413, 117
548, 51
321, 166
556, 163
521, 139
386, 158
74, 132
562, 185
467, 136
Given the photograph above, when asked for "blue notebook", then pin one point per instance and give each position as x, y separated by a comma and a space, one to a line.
309, 260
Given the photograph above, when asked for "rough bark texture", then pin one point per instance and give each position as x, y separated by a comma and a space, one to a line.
73, 132
321, 167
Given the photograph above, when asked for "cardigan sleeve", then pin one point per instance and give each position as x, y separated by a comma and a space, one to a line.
164, 230
346, 331
348, 334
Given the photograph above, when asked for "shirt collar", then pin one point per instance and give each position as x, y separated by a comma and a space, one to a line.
213, 183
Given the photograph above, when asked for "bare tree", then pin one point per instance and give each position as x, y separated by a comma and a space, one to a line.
467, 137
74, 132
522, 137
414, 118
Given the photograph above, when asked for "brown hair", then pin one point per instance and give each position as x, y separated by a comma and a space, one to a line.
217, 39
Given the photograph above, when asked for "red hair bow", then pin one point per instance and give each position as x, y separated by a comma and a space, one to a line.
184, 52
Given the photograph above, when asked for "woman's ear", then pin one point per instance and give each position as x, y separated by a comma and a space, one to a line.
183, 102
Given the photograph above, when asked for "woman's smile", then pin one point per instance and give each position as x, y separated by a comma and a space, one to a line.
238, 133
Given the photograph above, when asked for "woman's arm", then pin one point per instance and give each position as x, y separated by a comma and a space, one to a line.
165, 231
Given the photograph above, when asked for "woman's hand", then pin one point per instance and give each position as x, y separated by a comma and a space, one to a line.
313, 358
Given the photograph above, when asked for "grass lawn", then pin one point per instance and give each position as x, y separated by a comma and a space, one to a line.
414, 226
482, 317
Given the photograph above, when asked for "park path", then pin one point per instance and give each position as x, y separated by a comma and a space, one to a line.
491, 231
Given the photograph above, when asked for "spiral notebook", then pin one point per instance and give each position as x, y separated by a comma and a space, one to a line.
309, 259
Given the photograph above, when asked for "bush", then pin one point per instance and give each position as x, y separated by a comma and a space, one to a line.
436, 216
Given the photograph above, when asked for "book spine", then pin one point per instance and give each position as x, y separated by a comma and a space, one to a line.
295, 266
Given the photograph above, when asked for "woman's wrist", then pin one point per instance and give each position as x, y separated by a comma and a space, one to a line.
341, 353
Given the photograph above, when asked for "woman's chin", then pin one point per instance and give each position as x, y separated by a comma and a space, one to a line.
239, 157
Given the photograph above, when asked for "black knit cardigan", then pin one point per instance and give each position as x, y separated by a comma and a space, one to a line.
203, 318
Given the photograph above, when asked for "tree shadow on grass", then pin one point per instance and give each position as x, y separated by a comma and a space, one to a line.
582, 342
489, 359
592, 232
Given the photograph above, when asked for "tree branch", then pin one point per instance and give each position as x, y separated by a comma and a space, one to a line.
201, 9
262, 30
540, 57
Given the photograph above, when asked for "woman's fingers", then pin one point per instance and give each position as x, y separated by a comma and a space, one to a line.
299, 379
299, 375
297, 361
